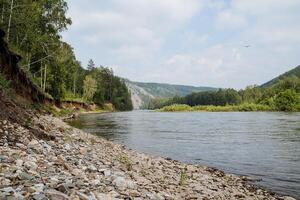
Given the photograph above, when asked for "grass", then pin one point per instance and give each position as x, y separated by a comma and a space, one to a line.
183, 177
5, 84
126, 161
245, 107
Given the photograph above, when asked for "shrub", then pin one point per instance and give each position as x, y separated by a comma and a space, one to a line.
176, 108
245, 107
4, 84
287, 101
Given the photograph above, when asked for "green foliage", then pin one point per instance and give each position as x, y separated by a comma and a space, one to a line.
34, 32
183, 177
162, 90
110, 89
245, 107
294, 72
126, 161
176, 108
282, 96
4, 83
89, 87
288, 100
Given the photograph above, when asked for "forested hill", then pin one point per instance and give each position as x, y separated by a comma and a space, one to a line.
33, 31
279, 94
293, 72
143, 93
163, 90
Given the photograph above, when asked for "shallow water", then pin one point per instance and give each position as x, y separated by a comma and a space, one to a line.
262, 145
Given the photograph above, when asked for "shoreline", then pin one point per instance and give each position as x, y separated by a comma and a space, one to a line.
67, 163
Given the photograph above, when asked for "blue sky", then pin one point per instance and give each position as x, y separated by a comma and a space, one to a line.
191, 42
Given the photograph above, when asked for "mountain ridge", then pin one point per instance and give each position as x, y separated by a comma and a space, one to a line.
293, 72
143, 92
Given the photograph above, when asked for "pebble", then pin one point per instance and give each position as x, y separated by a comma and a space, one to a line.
68, 167
56, 195
30, 165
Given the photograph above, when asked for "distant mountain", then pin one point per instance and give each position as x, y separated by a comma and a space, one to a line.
293, 72
142, 93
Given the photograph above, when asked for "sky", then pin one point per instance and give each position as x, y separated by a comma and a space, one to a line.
218, 43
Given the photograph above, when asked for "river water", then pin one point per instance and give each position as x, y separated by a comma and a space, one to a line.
263, 145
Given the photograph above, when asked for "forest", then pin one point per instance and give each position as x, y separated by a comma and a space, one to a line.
284, 95
33, 30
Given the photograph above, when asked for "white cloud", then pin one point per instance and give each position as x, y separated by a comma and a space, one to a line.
229, 19
199, 42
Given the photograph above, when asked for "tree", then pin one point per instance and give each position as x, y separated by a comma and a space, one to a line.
287, 100
91, 65
89, 87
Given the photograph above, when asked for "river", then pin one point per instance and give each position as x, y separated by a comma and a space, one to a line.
262, 145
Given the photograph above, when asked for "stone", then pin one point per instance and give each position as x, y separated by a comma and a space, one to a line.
39, 197
21, 146
67, 147
95, 182
92, 168
5, 182
39, 188
130, 184
134, 193
34, 144
107, 172
30, 165
3, 158
8, 190
56, 195
119, 183
83, 150
82, 196
19, 163
76, 172
25, 176
288, 198
65, 188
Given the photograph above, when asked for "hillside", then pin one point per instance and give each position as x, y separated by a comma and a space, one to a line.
142, 93
293, 72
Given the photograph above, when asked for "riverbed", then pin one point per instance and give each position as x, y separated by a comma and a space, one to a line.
262, 145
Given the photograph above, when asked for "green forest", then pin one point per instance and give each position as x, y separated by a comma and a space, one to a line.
33, 30
282, 95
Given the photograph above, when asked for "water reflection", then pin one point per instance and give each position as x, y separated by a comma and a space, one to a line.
263, 145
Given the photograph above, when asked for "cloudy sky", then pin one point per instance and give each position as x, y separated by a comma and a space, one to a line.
193, 42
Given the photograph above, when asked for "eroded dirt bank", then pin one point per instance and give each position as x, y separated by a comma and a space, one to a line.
61, 162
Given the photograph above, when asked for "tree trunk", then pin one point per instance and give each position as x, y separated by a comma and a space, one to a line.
74, 85
9, 21
28, 61
2, 14
45, 78
41, 74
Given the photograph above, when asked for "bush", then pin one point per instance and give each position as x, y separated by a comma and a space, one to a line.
287, 101
4, 84
246, 107
176, 108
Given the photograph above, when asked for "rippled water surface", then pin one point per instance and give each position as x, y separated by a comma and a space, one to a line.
262, 145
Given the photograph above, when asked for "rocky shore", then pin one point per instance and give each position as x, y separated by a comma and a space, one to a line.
67, 163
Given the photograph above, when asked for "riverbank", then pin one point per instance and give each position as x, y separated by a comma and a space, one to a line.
61, 162
228, 108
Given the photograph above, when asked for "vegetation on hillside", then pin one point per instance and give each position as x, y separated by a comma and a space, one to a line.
281, 96
33, 31
163, 90
293, 72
